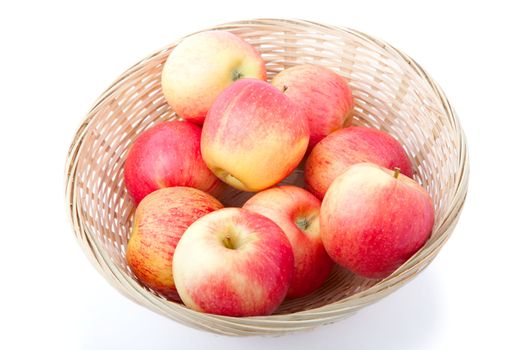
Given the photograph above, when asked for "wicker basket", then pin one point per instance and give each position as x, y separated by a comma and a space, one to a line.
391, 92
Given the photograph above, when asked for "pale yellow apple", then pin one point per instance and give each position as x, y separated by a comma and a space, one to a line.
201, 66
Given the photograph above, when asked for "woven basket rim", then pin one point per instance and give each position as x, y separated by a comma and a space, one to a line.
407, 271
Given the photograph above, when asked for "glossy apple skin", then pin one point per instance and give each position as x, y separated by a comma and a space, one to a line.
323, 94
254, 135
160, 221
251, 279
372, 222
355, 144
167, 155
201, 66
296, 211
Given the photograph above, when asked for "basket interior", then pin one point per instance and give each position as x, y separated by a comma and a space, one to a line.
388, 95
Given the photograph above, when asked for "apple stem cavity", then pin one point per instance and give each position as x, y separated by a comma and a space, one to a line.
236, 75
302, 223
228, 178
396, 172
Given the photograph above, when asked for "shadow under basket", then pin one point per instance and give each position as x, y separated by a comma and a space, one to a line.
391, 92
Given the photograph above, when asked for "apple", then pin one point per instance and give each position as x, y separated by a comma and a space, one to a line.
296, 211
253, 136
204, 64
323, 94
160, 220
233, 262
167, 155
335, 153
374, 219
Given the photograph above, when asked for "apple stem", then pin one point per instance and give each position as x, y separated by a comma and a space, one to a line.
396, 172
347, 121
236, 75
228, 242
285, 88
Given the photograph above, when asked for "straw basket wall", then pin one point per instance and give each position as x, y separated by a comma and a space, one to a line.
392, 93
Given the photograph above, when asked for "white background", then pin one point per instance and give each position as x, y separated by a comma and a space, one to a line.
56, 58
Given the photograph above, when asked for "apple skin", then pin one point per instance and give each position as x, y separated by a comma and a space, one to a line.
372, 222
296, 211
355, 144
254, 135
160, 221
233, 262
201, 66
167, 155
323, 94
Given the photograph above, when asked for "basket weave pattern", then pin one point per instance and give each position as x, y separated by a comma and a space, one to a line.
391, 92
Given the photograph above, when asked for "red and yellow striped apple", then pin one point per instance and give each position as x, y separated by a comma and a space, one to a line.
167, 155
233, 262
201, 66
254, 135
323, 94
296, 211
374, 219
335, 153
160, 220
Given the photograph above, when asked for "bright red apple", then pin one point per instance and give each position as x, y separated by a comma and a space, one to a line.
167, 155
233, 262
374, 219
253, 136
160, 220
201, 66
335, 153
296, 211
323, 94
